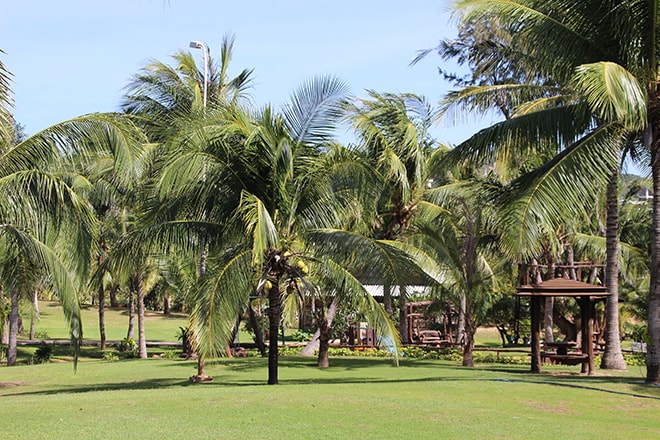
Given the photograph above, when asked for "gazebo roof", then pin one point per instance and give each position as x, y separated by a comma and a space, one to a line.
562, 287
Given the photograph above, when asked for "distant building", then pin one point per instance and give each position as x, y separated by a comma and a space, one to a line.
644, 195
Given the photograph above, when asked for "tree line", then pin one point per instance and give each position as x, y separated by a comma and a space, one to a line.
193, 189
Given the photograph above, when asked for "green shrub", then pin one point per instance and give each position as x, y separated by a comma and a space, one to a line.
640, 333
41, 334
43, 354
489, 357
635, 359
128, 346
110, 356
171, 355
288, 351
301, 336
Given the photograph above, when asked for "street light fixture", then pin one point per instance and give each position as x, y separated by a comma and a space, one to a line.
205, 52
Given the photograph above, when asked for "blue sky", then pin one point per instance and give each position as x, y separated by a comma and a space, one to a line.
72, 57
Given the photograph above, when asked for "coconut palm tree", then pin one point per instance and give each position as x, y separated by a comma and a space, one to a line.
604, 96
160, 93
266, 185
393, 137
163, 96
52, 232
454, 238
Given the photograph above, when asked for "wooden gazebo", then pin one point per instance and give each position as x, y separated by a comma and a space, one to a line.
584, 293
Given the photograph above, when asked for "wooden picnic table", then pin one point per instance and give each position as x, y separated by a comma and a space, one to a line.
561, 347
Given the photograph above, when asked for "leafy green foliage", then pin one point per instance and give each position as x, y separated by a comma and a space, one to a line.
42, 354
128, 347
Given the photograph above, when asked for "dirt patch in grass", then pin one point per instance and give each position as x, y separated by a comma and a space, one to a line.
10, 384
562, 408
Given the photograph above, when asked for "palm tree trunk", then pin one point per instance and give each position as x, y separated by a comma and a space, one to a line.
613, 357
102, 315
324, 344
403, 316
35, 312
130, 334
460, 327
548, 322
4, 337
387, 298
468, 359
324, 331
167, 304
314, 343
13, 328
653, 347
142, 340
258, 335
113, 297
274, 317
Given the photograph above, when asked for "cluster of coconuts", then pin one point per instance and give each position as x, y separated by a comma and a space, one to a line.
302, 266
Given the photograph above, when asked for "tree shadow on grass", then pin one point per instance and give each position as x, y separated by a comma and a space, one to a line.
640, 391
146, 384
446, 373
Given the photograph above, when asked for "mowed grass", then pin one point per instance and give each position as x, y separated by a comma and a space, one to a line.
366, 398
159, 327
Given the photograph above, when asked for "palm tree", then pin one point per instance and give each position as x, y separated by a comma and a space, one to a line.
52, 232
264, 189
160, 93
163, 96
604, 96
394, 138
454, 232
47, 227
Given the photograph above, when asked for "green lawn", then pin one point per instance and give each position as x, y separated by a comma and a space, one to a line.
158, 326
365, 398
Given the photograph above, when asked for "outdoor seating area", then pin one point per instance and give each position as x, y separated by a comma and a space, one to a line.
433, 338
563, 352
432, 324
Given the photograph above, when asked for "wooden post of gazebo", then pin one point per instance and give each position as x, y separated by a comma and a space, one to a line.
586, 310
535, 309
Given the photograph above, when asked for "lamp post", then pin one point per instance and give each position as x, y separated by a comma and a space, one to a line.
201, 364
205, 52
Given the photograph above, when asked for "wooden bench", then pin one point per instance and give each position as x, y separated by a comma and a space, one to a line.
432, 338
565, 359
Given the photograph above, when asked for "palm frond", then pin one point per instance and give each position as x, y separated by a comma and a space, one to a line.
516, 137
544, 29
83, 135
613, 93
632, 261
484, 98
351, 290
259, 225
313, 111
539, 201
221, 296
43, 257
378, 260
